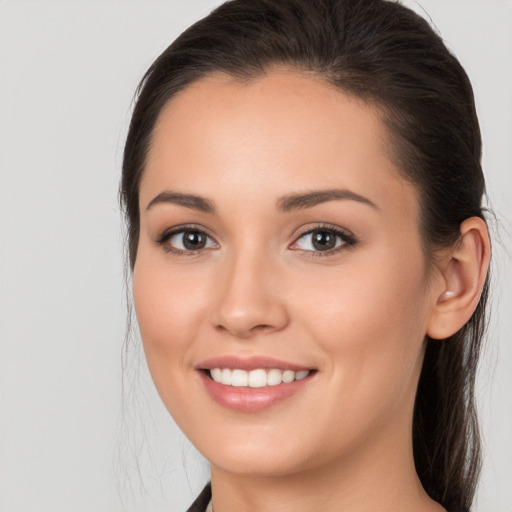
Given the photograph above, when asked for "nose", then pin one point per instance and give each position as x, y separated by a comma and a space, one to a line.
249, 300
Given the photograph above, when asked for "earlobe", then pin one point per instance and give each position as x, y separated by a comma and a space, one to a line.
463, 276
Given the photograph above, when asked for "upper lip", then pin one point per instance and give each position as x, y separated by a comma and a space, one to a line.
249, 363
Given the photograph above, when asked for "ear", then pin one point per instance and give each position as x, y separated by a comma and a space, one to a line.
462, 276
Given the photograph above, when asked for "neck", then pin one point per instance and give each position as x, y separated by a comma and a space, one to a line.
380, 477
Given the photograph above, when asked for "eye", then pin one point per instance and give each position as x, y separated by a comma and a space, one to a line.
323, 239
187, 240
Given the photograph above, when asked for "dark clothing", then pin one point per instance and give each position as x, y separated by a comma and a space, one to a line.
202, 500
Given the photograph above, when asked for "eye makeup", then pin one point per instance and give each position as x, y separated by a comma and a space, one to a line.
320, 240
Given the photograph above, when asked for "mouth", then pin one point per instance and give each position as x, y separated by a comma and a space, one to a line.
252, 384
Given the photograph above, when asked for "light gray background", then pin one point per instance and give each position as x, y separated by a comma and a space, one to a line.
68, 70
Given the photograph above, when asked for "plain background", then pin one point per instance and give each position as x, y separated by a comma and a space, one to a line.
69, 442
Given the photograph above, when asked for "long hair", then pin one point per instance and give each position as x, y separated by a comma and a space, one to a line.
385, 54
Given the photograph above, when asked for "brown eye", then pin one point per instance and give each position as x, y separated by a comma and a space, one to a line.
323, 239
193, 240
187, 240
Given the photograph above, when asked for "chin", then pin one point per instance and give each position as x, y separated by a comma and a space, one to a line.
256, 459
256, 466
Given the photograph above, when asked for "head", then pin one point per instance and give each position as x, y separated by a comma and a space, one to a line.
405, 103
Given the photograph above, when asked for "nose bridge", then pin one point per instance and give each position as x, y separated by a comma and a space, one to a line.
249, 297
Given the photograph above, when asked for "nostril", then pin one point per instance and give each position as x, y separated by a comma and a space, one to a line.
243, 329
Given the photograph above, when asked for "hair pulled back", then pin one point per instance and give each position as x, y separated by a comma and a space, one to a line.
385, 54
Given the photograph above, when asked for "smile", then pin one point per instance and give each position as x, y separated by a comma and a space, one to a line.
258, 378
253, 384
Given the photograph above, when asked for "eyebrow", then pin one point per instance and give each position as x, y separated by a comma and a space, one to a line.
186, 200
309, 199
288, 203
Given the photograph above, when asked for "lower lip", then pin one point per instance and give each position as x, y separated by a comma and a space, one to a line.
246, 399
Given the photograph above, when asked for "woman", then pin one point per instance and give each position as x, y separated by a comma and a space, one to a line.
302, 186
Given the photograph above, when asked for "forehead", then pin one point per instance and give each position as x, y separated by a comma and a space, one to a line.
283, 130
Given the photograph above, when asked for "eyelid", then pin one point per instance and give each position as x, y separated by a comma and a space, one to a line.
168, 233
323, 225
348, 238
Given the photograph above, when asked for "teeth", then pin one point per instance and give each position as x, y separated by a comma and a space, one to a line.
255, 378
216, 374
239, 378
225, 376
288, 376
274, 377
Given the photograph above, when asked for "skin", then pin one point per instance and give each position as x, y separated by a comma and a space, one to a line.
358, 315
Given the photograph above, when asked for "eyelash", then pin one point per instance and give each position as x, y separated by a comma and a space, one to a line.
347, 238
168, 234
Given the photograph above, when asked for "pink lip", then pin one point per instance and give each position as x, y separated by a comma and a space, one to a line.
246, 399
249, 363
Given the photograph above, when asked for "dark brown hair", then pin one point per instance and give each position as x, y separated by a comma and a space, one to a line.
385, 54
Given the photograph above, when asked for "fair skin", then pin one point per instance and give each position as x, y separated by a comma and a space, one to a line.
355, 313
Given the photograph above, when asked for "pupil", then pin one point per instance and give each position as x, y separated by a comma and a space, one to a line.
323, 240
194, 240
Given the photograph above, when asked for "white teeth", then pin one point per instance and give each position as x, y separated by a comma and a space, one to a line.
226, 376
301, 375
274, 377
255, 378
217, 374
288, 376
239, 378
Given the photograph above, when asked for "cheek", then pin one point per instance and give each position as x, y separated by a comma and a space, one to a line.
380, 291
168, 305
371, 321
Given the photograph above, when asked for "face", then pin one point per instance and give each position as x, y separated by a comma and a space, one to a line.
280, 284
